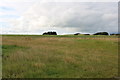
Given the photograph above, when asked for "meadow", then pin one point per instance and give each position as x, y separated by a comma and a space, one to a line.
62, 56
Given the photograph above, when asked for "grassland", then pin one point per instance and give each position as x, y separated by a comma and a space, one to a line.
59, 56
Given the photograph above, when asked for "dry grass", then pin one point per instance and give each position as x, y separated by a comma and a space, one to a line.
65, 57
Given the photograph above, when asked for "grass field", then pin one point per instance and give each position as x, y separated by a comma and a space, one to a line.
59, 56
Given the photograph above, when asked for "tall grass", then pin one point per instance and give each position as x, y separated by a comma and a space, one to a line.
60, 57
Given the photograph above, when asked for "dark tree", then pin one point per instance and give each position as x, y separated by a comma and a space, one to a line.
101, 33
86, 34
76, 33
114, 34
50, 33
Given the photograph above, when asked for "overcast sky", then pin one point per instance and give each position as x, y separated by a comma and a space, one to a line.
35, 16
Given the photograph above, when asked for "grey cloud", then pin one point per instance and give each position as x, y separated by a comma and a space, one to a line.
82, 17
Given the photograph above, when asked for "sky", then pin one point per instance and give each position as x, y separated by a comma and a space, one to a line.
64, 17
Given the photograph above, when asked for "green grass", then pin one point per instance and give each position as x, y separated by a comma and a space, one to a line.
60, 56
8, 49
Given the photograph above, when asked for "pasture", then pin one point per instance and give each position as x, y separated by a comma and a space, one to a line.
67, 56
